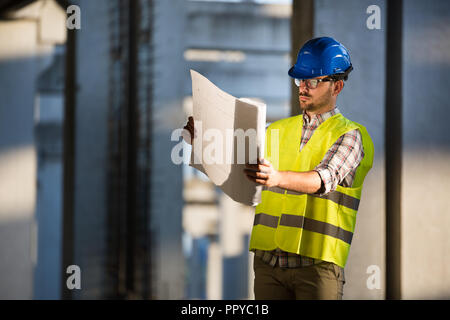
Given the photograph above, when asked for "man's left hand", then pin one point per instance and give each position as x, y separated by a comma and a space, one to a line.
263, 173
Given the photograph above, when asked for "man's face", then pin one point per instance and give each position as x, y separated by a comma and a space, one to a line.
313, 100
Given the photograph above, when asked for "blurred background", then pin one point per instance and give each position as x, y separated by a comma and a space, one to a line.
86, 117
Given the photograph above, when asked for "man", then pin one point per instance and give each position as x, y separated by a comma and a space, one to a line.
312, 182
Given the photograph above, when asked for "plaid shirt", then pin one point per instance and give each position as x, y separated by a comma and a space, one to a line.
338, 167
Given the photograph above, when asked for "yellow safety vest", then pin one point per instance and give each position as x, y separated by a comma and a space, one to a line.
320, 227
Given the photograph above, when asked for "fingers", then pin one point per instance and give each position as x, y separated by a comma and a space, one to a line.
256, 174
190, 127
190, 130
256, 180
257, 167
190, 123
264, 162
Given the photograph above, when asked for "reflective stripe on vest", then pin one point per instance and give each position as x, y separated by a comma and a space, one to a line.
335, 196
295, 221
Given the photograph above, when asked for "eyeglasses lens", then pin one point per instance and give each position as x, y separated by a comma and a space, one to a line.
310, 83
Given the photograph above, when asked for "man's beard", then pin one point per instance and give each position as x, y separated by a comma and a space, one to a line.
320, 102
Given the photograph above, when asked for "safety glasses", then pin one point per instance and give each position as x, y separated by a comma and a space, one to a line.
311, 83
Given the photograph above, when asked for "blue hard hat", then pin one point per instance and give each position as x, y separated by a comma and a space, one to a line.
321, 57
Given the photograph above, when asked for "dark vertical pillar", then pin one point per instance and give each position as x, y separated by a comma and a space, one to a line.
302, 29
393, 145
147, 172
132, 145
68, 161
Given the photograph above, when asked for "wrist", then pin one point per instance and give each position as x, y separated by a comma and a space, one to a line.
278, 178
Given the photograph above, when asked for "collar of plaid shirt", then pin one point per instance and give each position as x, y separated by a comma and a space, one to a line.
317, 119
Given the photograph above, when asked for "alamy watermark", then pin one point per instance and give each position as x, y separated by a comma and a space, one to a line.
74, 280
374, 280
74, 19
374, 20
214, 146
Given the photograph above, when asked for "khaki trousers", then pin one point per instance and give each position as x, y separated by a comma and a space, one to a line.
323, 281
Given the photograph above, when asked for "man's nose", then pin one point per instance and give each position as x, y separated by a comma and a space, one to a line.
302, 88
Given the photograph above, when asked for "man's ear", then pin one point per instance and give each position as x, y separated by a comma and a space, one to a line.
338, 86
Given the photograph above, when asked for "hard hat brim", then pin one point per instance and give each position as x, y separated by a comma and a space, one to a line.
293, 73
296, 74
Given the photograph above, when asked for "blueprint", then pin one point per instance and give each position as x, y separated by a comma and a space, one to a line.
229, 132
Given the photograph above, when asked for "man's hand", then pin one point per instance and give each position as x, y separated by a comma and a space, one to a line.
263, 173
190, 127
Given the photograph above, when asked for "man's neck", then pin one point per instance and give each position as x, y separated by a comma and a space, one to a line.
320, 111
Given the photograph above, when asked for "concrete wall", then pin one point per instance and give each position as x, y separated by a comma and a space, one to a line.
426, 142
167, 179
426, 151
259, 35
91, 156
49, 114
26, 50
250, 47
17, 159
91, 152
362, 100
244, 49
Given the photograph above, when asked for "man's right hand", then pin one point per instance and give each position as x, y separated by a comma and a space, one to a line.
190, 127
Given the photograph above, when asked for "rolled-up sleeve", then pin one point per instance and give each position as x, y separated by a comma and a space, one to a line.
340, 162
